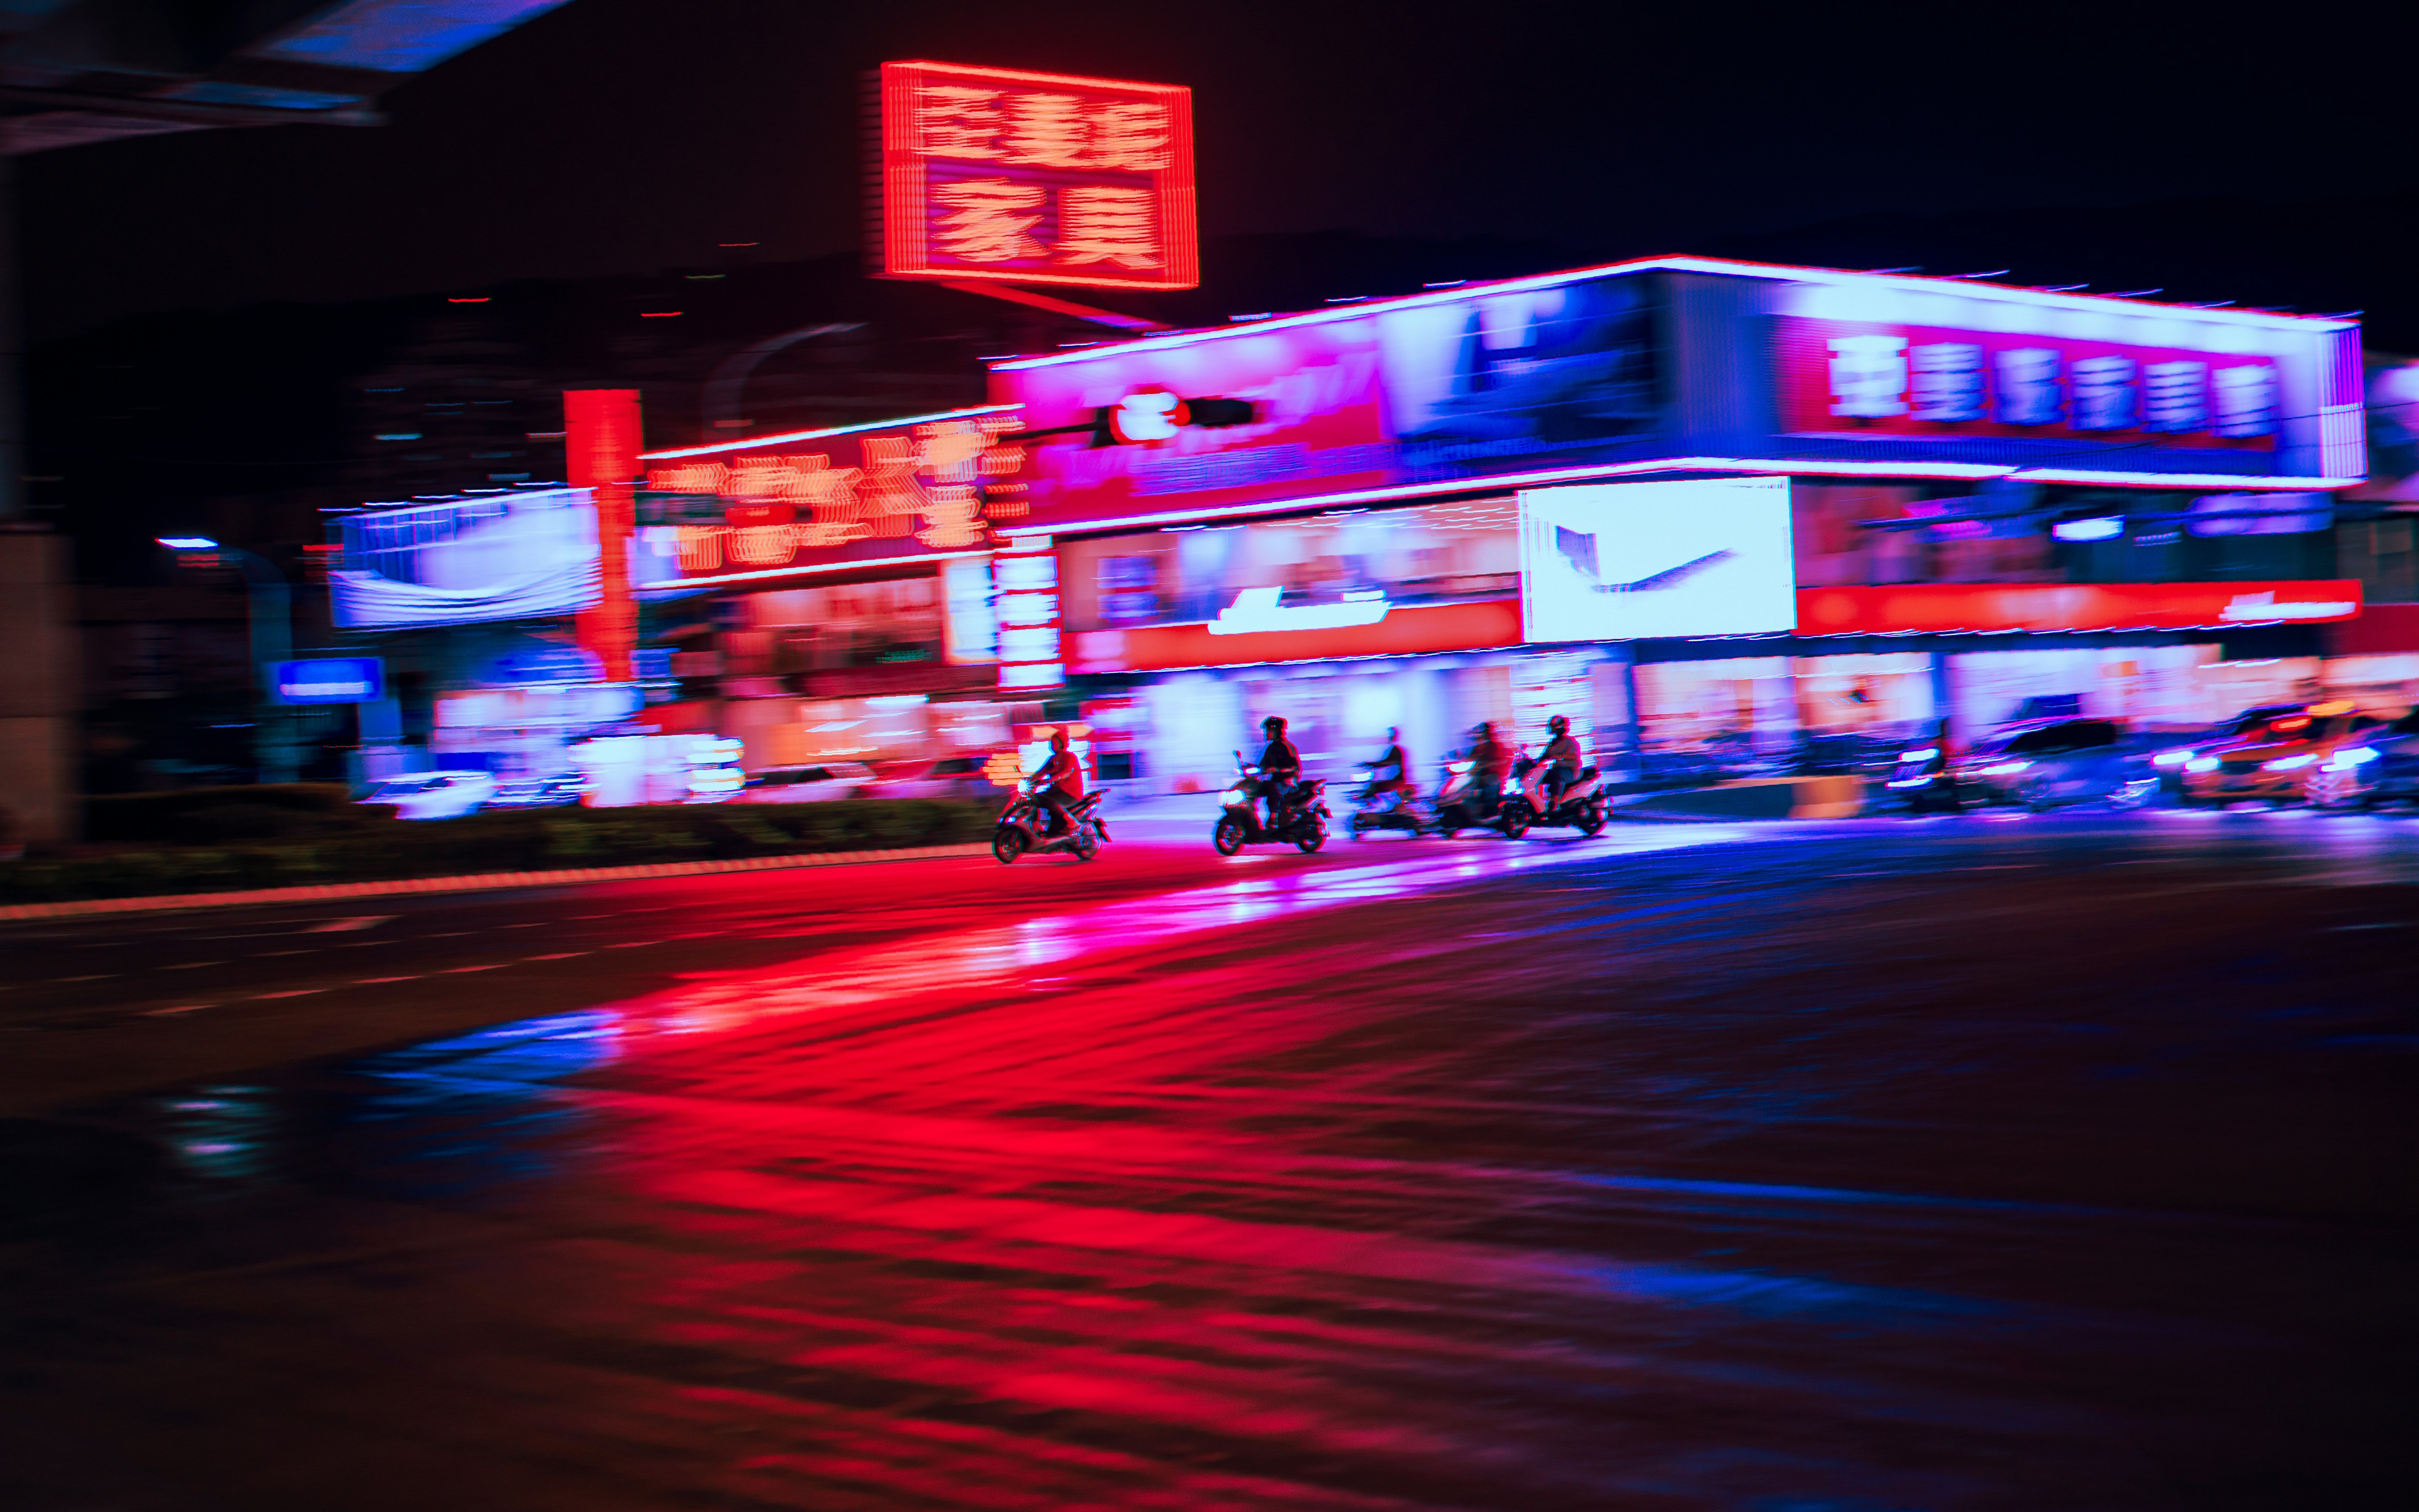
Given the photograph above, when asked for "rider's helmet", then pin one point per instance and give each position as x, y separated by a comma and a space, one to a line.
1558, 726
1273, 726
1487, 728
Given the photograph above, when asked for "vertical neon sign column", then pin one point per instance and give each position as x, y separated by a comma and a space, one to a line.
1027, 569
601, 444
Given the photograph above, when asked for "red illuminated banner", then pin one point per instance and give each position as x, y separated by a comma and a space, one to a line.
1949, 609
1863, 378
600, 441
1036, 178
1236, 640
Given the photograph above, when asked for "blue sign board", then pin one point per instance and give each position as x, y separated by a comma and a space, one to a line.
331, 680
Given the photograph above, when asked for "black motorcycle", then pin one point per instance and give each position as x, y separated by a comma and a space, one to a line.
1580, 806
1392, 809
1024, 827
1298, 816
1463, 803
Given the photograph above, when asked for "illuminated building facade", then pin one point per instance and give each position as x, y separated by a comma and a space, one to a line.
1980, 504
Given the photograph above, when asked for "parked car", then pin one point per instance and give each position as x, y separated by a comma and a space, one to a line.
2042, 767
806, 784
431, 795
2275, 762
951, 777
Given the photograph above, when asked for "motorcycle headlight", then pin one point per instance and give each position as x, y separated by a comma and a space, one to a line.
1360, 774
2201, 763
1926, 754
2289, 763
2003, 769
1233, 794
2172, 757
2343, 761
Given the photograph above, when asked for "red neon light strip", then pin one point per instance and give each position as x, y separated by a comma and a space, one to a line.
1951, 608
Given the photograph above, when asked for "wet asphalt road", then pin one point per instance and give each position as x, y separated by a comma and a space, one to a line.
1963, 1163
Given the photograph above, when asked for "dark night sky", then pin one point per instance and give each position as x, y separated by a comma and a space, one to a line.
628, 135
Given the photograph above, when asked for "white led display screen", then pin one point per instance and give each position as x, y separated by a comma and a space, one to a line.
1641, 561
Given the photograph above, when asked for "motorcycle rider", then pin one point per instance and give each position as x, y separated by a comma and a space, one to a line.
1562, 756
1063, 774
1280, 766
1391, 771
1489, 761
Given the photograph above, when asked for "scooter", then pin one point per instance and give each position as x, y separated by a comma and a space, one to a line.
1299, 817
1580, 806
1373, 810
1462, 804
1024, 827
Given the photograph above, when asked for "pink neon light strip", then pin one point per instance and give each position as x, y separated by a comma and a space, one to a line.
1760, 468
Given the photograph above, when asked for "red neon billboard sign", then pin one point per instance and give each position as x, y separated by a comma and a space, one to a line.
1023, 177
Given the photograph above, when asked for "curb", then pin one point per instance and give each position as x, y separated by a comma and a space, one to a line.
484, 882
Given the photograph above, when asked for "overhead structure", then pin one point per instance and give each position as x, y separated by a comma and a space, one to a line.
79, 71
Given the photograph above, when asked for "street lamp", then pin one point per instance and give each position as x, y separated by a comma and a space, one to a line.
270, 613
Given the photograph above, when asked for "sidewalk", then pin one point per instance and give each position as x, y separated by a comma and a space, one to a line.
492, 881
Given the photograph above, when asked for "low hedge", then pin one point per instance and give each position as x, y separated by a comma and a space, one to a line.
360, 844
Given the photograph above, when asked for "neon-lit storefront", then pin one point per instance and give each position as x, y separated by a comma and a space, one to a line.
1986, 502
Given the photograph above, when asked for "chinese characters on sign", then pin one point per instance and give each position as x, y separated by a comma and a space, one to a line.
842, 496
1853, 380
1033, 177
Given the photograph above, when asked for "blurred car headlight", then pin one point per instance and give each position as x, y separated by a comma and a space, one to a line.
2201, 763
2172, 757
2289, 763
1926, 754
2343, 761
2003, 769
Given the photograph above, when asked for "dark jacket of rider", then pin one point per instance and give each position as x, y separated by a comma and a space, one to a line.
1280, 762
1562, 754
1391, 770
1489, 759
